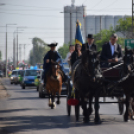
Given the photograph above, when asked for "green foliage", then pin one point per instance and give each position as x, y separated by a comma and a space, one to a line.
64, 49
38, 52
104, 36
125, 27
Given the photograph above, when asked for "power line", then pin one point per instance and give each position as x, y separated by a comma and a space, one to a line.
97, 4
31, 6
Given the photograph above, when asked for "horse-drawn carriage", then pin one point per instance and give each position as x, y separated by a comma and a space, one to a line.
113, 81
111, 75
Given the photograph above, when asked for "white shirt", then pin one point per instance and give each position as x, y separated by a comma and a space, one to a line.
89, 45
67, 57
112, 47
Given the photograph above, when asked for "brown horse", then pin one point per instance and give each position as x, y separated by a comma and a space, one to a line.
54, 84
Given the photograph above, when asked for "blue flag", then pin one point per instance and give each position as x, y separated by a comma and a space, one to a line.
78, 36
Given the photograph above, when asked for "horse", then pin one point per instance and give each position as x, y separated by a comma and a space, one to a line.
127, 85
54, 84
86, 77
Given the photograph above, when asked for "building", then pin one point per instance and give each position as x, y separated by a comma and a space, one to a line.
90, 23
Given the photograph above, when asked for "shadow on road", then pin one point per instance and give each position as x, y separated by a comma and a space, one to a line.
20, 123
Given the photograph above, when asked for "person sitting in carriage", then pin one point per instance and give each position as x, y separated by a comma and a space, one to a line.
111, 52
90, 44
50, 57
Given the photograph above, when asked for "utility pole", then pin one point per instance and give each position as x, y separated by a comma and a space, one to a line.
6, 47
100, 26
132, 18
20, 52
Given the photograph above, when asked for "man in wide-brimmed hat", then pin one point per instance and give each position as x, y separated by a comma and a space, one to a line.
52, 55
90, 43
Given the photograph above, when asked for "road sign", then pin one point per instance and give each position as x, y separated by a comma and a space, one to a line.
129, 43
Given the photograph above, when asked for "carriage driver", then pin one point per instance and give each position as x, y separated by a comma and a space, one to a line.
111, 52
51, 56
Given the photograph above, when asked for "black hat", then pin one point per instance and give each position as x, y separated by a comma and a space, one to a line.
90, 36
53, 44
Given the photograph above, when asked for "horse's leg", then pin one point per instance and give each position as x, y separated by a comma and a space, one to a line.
50, 101
58, 97
133, 108
130, 110
85, 110
90, 110
97, 116
127, 106
53, 102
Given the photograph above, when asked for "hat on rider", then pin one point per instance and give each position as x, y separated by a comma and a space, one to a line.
53, 44
90, 36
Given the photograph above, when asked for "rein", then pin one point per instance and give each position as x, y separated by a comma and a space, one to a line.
112, 67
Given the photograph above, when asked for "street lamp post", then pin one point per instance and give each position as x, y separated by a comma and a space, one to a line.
6, 46
17, 44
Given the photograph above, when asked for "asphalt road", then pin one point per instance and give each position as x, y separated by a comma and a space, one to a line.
25, 113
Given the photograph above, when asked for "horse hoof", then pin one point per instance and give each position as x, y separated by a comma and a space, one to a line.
53, 106
85, 119
49, 105
58, 102
132, 117
97, 121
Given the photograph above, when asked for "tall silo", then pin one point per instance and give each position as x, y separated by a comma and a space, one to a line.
73, 23
109, 19
67, 10
97, 24
90, 24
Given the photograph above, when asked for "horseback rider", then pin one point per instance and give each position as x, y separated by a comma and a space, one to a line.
90, 44
52, 56
111, 52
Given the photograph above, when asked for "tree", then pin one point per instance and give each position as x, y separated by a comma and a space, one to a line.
64, 49
38, 52
104, 36
125, 27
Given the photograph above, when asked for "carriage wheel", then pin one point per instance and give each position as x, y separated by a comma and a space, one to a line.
77, 107
121, 107
68, 97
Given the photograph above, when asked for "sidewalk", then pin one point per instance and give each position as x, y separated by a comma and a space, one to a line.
3, 91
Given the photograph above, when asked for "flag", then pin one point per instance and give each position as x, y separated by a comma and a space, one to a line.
78, 35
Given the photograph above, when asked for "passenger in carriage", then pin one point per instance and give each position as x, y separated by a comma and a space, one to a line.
90, 44
51, 56
76, 54
111, 52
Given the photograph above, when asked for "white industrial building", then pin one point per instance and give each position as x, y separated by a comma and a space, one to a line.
90, 23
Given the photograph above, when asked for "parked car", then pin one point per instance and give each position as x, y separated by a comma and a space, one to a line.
29, 77
13, 77
43, 91
1, 74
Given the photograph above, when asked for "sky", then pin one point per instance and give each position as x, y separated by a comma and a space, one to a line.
42, 18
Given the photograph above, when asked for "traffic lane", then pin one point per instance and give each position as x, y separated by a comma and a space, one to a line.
24, 112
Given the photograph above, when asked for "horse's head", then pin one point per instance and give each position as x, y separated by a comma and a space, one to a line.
91, 63
128, 60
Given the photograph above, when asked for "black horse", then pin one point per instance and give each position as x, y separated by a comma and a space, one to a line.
87, 82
